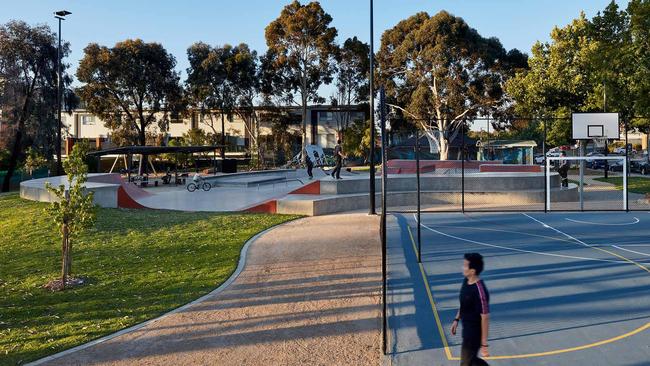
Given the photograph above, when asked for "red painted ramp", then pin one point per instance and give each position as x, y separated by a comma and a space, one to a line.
127, 193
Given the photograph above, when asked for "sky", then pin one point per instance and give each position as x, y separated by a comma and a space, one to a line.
176, 24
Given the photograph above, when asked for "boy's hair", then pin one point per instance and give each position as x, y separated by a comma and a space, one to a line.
475, 262
338, 141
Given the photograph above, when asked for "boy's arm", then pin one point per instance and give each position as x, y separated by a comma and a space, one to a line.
485, 327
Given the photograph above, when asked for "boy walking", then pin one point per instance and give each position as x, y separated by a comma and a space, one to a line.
474, 312
338, 156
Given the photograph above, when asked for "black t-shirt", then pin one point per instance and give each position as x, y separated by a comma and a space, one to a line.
337, 151
474, 301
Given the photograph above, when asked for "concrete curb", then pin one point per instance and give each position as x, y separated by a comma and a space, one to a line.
221, 288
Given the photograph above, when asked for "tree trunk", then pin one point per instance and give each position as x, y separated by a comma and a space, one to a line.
64, 255
13, 160
304, 127
223, 138
69, 257
444, 149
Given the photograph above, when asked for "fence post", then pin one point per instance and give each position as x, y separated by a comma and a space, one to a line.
545, 166
462, 168
417, 175
382, 116
627, 169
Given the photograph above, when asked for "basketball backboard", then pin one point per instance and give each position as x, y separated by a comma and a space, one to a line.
589, 126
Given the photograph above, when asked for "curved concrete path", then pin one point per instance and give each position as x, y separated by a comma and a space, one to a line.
309, 294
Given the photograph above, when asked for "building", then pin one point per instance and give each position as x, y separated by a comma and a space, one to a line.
323, 124
508, 151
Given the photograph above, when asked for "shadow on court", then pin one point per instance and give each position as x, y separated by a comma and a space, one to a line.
566, 288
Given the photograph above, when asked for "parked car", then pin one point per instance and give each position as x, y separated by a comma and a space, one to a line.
593, 163
616, 166
539, 159
621, 150
640, 166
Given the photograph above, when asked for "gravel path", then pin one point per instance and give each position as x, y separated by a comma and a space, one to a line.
308, 295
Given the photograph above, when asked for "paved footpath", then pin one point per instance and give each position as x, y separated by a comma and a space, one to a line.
308, 295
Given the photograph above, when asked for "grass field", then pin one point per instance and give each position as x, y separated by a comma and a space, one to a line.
634, 184
138, 264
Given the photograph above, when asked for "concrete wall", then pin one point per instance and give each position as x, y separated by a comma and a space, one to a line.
474, 182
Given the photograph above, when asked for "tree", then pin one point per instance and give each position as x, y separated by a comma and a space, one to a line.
73, 211
352, 84
224, 80
131, 86
28, 59
586, 64
639, 12
33, 160
442, 73
301, 50
357, 139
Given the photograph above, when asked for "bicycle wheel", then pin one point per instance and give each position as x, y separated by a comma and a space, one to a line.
192, 187
206, 186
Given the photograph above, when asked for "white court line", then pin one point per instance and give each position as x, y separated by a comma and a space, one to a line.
631, 251
601, 224
638, 264
518, 250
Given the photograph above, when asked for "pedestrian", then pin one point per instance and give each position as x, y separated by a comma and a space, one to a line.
310, 165
563, 170
474, 313
338, 156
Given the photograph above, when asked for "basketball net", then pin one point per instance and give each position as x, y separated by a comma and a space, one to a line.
600, 142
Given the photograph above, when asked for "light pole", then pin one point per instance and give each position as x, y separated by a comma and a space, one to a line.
60, 15
372, 117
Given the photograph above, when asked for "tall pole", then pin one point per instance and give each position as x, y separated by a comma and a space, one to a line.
626, 169
383, 217
59, 166
372, 117
417, 173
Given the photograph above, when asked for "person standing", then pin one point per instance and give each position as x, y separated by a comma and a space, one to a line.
474, 313
310, 165
338, 156
563, 170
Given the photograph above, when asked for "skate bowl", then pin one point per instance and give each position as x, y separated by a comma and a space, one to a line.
109, 190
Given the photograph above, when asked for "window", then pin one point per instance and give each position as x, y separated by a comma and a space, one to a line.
87, 120
175, 117
325, 116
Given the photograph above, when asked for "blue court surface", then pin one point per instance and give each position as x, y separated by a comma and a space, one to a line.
565, 288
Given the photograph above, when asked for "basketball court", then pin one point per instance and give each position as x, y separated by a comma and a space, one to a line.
565, 288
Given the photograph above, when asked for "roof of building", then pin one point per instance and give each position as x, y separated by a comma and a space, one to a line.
505, 144
154, 150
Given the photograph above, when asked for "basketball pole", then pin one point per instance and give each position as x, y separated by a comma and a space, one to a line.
582, 143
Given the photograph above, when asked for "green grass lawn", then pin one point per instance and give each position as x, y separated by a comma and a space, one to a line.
139, 264
634, 184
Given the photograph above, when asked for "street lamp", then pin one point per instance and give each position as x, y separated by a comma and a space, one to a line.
372, 211
60, 15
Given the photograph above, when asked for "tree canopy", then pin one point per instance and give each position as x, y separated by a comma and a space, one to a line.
301, 50
441, 73
130, 86
28, 90
589, 65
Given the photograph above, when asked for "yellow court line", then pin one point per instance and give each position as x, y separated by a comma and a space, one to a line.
526, 355
433, 304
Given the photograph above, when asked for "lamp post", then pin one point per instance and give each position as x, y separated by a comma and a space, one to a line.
372, 117
60, 15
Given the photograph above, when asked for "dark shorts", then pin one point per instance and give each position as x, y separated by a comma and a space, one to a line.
469, 353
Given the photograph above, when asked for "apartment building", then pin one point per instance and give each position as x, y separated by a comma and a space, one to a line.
323, 124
